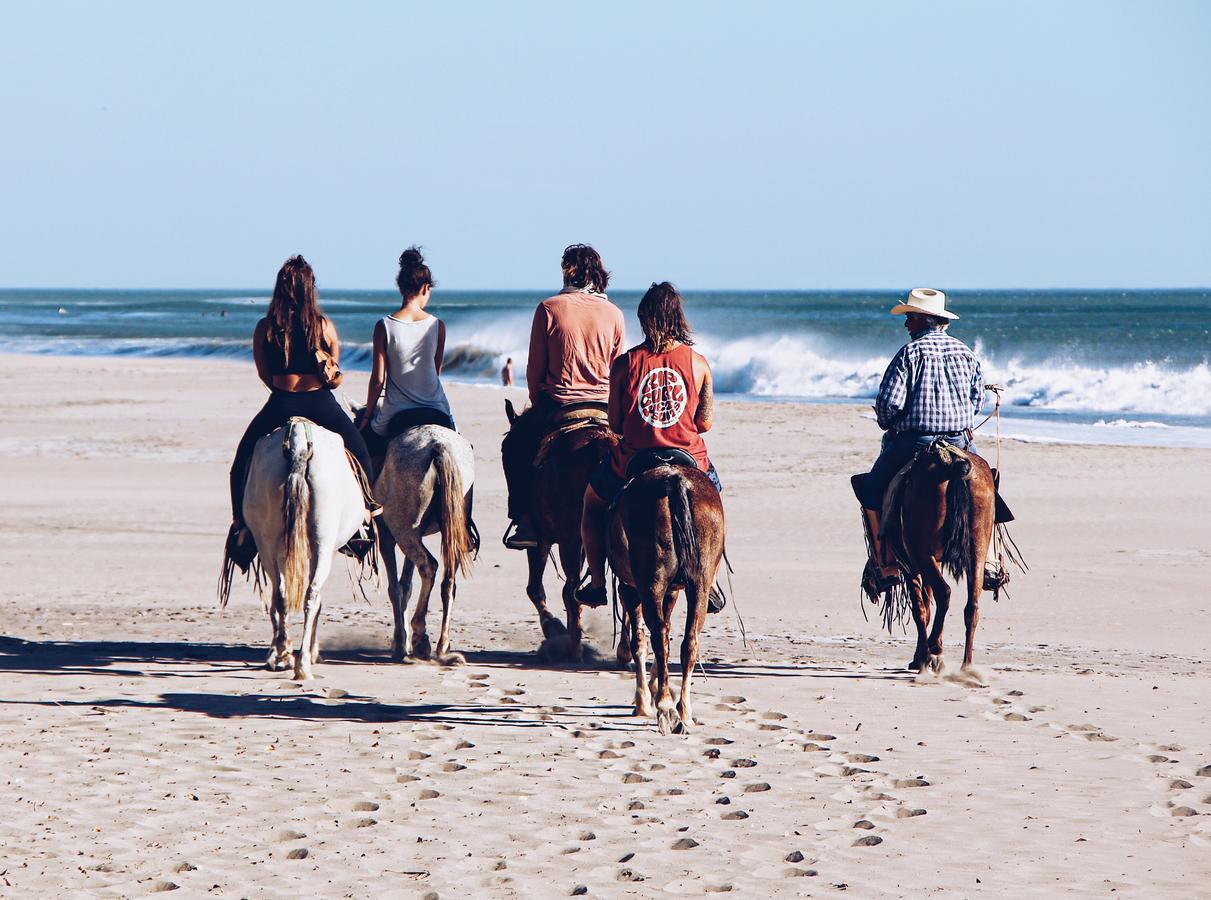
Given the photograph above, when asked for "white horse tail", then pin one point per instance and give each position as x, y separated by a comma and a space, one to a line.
456, 536
296, 513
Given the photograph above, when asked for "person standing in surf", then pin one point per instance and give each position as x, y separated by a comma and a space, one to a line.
575, 337
289, 346
409, 349
662, 398
933, 388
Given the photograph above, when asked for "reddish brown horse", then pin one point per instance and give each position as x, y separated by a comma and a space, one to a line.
559, 485
948, 510
666, 536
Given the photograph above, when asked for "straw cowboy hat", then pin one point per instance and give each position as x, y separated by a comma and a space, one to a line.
925, 301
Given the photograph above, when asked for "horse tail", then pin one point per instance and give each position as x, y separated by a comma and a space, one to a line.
296, 513
956, 528
685, 536
457, 540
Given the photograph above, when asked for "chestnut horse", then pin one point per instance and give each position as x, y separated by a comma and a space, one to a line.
666, 535
557, 503
947, 515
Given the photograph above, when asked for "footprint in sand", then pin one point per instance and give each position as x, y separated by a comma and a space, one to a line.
905, 813
759, 787
871, 840
464, 745
405, 779
865, 824
418, 754
428, 794
365, 806
734, 816
734, 699
298, 853
910, 782
161, 886
453, 767
744, 763
290, 835
819, 737
364, 823
718, 741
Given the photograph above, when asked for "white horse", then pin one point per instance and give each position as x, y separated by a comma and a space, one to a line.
301, 502
425, 488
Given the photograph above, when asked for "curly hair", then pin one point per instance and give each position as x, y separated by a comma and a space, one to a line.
583, 268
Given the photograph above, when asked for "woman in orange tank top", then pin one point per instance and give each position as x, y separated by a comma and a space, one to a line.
661, 398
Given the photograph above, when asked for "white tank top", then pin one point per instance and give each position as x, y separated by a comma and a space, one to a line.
412, 380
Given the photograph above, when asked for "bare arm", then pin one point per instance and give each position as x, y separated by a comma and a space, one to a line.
332, 340
536, 365
617, 411
440, 356
378, 374
704, 416
258, 352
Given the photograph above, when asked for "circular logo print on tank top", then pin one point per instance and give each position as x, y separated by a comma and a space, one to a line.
662, 397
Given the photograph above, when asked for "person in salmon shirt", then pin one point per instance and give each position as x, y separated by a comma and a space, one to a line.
661, 398
575, 336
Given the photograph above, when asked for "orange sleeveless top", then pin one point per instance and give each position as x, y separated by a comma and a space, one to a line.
659, 401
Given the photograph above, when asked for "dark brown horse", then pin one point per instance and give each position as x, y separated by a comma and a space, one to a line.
666, 536
948, 509
559, 485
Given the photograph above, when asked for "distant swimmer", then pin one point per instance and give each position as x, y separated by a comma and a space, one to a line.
62, 310
506, 373
289, 346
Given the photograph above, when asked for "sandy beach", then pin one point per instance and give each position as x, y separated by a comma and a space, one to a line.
144, 747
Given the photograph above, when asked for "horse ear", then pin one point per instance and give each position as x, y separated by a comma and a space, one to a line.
509, 411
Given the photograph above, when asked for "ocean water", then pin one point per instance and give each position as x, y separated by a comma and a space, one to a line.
1107, 366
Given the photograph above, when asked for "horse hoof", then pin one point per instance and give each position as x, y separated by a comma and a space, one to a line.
553, 628
278, 663
915, 666
681, 727
667, 721
936, 664
422, 649
451, 659
642, 712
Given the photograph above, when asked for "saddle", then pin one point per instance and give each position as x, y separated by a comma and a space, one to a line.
650, 459
568, 420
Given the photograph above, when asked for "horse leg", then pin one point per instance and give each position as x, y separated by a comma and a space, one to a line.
536, 558
571, 557
315, 631
635, 638
939, 590
981, 535
426, 564
654, 602
919, 605
624, 655
386, 547
279, 647
449, 591
302, 659
695, 616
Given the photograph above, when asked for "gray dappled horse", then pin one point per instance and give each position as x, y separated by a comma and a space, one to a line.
425, 488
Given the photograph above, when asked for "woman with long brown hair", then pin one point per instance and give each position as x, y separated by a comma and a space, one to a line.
661, 398
285, 348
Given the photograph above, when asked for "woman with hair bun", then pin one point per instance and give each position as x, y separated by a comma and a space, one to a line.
285, 344
409, 346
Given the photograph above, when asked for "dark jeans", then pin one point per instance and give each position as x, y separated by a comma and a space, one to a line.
318, 406
518, 449
898, 450
401, 422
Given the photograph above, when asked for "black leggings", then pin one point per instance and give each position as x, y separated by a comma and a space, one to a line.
517, 453
318, 406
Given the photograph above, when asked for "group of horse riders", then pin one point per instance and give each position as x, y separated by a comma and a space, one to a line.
658, 395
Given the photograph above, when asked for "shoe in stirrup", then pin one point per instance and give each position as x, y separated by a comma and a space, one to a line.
591, 596
374, 509
521, 536
716, 601
360, 545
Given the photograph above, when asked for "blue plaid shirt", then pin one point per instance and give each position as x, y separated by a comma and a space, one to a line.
933, 385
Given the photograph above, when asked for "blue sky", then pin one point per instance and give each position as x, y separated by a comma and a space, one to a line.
758, 145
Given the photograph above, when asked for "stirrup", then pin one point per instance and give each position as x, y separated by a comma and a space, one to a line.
875, 582
516, 538
996, 576
374, 509
241, 547
360, 545
715, 601
591, 596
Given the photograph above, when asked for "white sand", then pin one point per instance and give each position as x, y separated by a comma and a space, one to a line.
142, 746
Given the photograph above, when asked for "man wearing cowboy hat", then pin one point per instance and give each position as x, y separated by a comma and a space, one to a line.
932, 389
